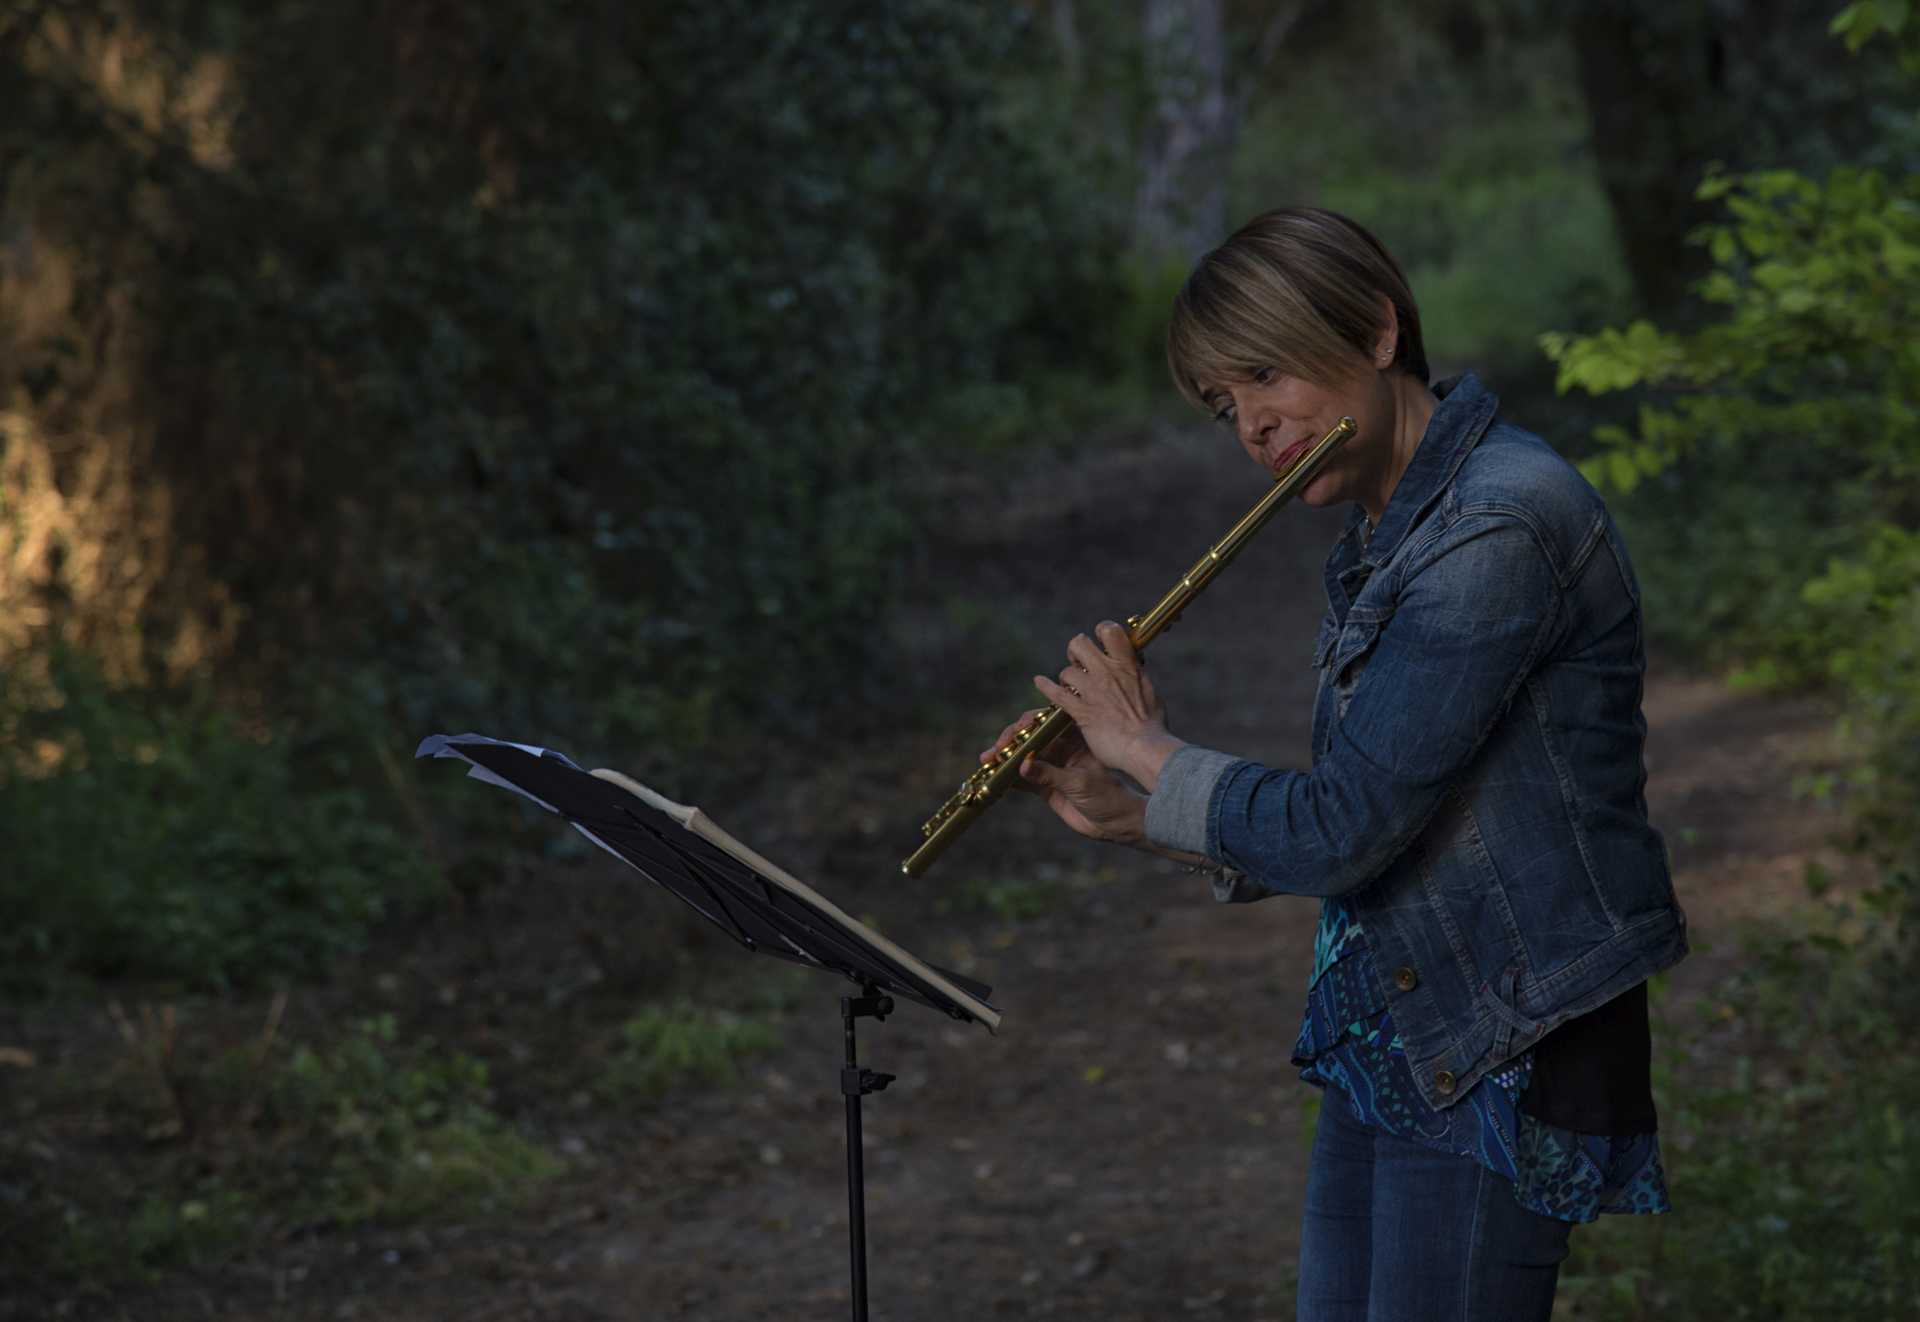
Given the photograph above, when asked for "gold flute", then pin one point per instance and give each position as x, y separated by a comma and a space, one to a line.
993, 778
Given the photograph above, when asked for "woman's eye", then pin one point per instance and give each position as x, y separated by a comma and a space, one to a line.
1225, 415
1264, 377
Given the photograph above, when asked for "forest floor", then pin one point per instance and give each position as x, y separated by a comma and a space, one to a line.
1130, 1145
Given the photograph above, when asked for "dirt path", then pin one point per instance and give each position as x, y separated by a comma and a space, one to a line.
1132, 1144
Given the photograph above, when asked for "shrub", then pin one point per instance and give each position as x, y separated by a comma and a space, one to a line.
363, 1129
666, 1045
155, 839
1781, 478
394, 1137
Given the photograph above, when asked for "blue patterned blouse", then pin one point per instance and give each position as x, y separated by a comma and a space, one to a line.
1348, 1041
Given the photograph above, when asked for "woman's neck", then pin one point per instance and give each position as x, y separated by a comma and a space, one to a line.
1413, 403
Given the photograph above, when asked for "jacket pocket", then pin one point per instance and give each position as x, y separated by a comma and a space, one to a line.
1351, 647
1346, 658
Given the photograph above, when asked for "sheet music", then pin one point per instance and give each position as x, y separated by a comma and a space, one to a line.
446, 745
752, 899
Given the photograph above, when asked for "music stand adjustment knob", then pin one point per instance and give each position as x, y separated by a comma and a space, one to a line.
860, 1082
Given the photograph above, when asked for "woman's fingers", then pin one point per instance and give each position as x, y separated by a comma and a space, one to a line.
1107, 658
1000, 742
1115, 641
1083, 653
1058, 694
1087, 799
988, 753
1044, 774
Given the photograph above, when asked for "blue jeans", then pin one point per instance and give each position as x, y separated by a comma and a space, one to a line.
1394, 1232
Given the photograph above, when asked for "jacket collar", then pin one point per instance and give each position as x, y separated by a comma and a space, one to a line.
1465, 409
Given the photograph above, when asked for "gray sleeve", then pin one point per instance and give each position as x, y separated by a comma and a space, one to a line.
1177, 817
1177, 809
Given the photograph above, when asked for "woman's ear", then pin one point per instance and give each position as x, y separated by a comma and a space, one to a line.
1387, 343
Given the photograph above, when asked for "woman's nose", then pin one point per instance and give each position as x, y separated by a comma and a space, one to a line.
1253, 432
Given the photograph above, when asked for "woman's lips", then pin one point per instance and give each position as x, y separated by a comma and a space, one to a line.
1287, 456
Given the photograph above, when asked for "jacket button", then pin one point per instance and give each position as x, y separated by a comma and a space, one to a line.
1443, 1082
1405, 979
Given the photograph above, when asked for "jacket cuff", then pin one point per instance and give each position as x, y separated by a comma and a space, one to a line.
1179, 810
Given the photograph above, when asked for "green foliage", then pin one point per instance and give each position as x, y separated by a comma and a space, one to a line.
1868, 615
363, 1129
1812, 277
1898, 20
1749, 518
550, 374
161, 1230
157, 840
1532, 245
1797, 416
665, 1046
1793, 1152
1477, 173
395, 1138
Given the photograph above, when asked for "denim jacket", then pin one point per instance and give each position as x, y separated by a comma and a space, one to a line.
1477, 784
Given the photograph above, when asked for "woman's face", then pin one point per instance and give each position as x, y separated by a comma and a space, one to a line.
1277, 418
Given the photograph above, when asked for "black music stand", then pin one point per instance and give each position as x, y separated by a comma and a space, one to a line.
752, 900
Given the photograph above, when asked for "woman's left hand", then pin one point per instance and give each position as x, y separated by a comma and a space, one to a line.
1110, 698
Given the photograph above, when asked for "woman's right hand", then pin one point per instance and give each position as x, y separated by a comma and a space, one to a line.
1077, 787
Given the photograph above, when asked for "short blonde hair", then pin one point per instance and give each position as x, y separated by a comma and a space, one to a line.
1297, 290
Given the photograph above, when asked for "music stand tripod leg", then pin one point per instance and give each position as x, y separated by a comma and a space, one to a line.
856, 1083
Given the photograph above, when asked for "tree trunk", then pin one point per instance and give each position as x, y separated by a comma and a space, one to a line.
1672, 88
1066, 35
1649, 79
1181, 204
